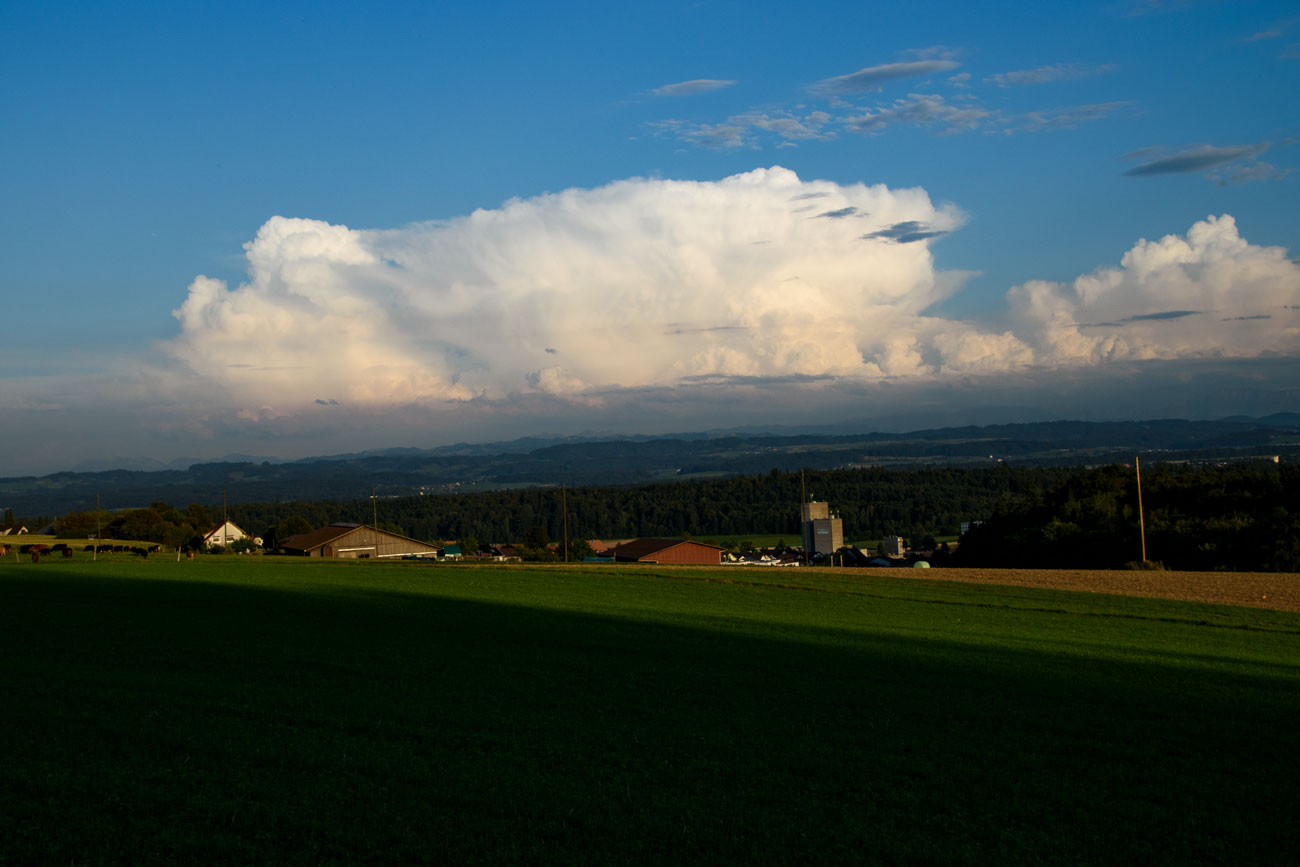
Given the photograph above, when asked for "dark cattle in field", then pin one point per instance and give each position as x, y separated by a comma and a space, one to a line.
67, 552
140, 552
89, 548
155, 549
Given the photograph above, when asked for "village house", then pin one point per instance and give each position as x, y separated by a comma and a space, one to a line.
225, 533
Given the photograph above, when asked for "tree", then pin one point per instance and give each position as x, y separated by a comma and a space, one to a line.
536, 538
292, 526
580, 549
199, 517
179, 535
144, 525
469, 546
79, 524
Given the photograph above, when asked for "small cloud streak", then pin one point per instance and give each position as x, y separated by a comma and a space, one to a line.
692, 87
873, 77
741, 130
1045, 74
1244, 174
907, 232
1195, 159
1162, 315
1066, 117
924, 110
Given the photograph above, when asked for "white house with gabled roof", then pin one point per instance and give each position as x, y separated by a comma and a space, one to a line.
225, 533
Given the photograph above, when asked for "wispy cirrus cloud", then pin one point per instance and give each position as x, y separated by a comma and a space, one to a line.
1161, 161
692, 87
1276, 31
918, 109
872, 77
714, 136
743, 130
1138, 8
926, 111
1064, 117
1045, 74
1244, 174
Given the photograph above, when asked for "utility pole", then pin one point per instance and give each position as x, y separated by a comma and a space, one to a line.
564, 504
94, 551
374, 516
1142, 526
225, 521
803, 524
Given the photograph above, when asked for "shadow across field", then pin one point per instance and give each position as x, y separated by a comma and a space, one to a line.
168, 721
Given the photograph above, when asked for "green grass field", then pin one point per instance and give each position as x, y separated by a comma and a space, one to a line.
273, 710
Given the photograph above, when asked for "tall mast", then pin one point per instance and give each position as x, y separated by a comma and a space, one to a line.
803, 522
564, 505
1142, 527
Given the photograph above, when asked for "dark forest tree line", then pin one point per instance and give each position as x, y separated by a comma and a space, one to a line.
872, 503
1242, 517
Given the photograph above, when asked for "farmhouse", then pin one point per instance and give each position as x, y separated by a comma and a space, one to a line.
223, 534
676, 551
356, 542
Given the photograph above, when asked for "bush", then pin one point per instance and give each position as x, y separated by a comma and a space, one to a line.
243, 546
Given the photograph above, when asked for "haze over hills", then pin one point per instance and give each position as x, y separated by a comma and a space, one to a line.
536, 461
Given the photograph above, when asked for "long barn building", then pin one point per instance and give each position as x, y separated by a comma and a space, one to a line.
675, 551
356, 542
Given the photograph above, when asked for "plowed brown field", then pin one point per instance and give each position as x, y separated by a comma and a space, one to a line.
1278, 590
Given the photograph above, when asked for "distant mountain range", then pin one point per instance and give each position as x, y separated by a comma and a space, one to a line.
594, 460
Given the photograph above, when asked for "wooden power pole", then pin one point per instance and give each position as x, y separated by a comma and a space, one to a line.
1142, 526
803, 524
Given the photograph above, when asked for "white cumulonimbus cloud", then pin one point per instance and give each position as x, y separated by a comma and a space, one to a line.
1210, 294
645, 283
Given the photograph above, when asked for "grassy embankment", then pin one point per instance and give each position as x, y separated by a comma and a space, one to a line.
273, 710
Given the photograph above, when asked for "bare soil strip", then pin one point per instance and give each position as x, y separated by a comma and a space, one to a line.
1276, 590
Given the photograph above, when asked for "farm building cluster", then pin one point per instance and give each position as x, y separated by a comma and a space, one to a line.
822, 534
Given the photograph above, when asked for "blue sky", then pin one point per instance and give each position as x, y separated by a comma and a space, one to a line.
980, 161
